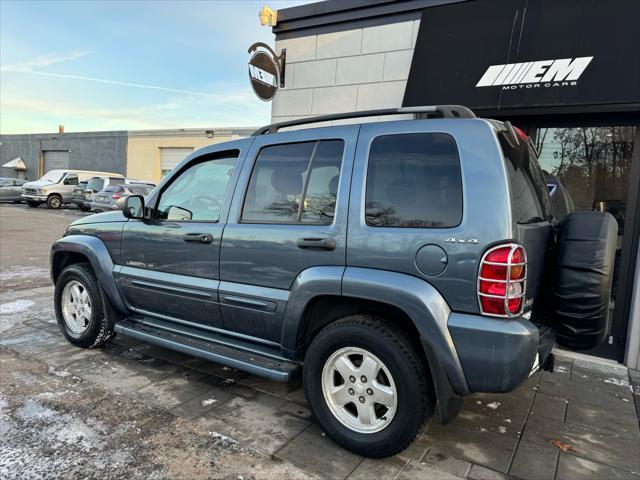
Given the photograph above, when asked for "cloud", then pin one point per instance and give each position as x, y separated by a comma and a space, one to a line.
219, 97
44, 61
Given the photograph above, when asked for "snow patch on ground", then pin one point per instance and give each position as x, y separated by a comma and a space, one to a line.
619, 382
493, 405
17, 306
58, 373
502, 429
18, 273
208, 401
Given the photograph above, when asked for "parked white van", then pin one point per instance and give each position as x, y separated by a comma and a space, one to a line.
56, 186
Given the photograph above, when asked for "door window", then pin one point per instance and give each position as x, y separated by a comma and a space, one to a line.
197, 193
295, 183
414, 180
72, 179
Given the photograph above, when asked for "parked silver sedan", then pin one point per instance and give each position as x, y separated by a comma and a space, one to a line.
11, 189
112, 197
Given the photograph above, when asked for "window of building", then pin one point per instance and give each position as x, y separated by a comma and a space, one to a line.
413, 181
198, 192
295, 183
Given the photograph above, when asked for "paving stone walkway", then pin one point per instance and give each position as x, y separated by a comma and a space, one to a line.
577, 423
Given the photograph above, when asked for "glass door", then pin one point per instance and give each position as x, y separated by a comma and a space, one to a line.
594, 165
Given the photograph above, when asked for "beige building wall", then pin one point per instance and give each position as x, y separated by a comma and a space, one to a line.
143, 148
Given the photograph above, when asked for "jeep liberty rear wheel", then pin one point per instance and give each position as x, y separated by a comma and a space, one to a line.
79, 307
33, 204
54, 202
367, 385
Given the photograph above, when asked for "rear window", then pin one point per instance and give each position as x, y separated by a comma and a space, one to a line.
95, 184
139, 189
414, 181
529, 191
114, 188
116, 180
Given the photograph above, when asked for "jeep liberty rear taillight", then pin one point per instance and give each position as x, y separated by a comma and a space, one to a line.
502, 280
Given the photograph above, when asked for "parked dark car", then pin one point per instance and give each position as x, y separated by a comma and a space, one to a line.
78, 196
11, 189
397, 266
113, 196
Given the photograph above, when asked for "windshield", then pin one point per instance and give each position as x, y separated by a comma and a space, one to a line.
53, 176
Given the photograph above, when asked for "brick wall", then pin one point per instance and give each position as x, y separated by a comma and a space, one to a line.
344, 71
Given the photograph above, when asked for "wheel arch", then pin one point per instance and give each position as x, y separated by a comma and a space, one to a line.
321, 297
85, 248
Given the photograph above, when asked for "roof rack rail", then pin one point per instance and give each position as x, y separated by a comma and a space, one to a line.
437, 111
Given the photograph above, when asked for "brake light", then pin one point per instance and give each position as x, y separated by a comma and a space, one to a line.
521, 134
116, 195
502, 280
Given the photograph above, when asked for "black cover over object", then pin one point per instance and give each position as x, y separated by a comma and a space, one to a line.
586, 246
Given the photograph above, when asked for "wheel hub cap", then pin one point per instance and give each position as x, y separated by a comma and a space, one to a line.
359, 390
76, 307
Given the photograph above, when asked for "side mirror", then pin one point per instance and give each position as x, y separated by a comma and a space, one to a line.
134, 207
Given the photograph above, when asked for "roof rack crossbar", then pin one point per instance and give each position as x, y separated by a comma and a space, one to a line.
438, 111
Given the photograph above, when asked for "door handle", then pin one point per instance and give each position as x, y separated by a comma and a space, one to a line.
197, 237
316, 243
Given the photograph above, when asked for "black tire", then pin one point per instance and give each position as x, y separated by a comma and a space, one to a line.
33, 204
84, 209
583, 277
54, 201
97, 331
415, 393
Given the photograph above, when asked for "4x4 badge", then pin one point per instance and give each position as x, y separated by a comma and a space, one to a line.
461, 240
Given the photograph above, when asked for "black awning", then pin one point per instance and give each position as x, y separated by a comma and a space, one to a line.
499, 55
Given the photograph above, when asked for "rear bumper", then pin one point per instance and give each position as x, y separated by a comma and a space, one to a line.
497, 354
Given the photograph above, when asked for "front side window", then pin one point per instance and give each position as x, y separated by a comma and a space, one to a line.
295, 183
414, 181
71, 179
198, 192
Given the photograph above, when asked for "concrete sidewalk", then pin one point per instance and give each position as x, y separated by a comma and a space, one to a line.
580, 422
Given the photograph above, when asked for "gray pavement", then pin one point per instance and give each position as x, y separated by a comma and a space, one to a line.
587, 407
153, 413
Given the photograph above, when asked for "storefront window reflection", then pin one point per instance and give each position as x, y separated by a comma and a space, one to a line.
594, 164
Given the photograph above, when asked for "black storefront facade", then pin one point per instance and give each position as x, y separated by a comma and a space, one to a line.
565, 71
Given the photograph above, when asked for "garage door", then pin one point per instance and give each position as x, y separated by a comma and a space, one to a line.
171, 156
55, 160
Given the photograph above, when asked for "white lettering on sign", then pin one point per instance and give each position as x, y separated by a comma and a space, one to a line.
542, 71
262, 76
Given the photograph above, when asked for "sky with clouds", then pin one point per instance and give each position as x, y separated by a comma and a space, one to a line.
127, 65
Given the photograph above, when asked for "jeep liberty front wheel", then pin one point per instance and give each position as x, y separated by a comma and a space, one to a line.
367, 386
79, 307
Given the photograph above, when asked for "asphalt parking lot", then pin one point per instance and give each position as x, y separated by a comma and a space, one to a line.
132, 410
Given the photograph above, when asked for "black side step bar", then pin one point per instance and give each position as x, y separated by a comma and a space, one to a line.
278, 369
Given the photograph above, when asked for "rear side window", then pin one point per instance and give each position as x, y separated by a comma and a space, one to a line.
295, 183
114, 188
529, 193
414, 181
116, 180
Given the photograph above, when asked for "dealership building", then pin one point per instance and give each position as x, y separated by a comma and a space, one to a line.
568, 73
141, 154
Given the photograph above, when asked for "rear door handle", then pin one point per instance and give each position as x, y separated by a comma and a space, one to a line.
316, 243
197, 237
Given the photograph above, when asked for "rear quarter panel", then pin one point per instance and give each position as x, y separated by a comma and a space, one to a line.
486, 214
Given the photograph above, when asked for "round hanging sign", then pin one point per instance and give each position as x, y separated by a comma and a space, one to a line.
263, 74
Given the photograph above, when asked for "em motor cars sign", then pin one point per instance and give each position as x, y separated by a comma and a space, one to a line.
266, 71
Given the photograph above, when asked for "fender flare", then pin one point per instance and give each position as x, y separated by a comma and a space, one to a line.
310, 283
96, 251
423, 304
